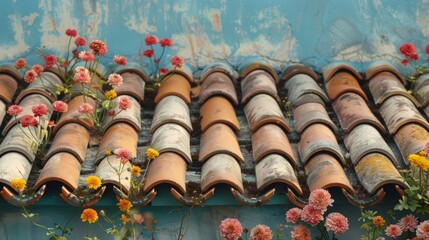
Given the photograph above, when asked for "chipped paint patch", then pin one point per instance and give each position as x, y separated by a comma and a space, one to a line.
422, 17
30, 18
10, 51
213, 15
358, 53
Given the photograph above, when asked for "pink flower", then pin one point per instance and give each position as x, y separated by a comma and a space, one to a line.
124, 103
82, 77
407, 49
311, 215
423, 230
120, 60
162, 71
166, 42
405, 62
320, 199
293, 215
99, 47
123, 154
114, 80
230, 229
427, 148
337, 223
138, 218
111, 113
86, 56
261, 232
85, 108
30, 76
151, 39
71, 32
37, 68
39, 110
60, 106
28, 120
80, 41
14, 110
20, 63
81, 69
409, 222
51, 123
300, 232
380, 238
177, 61
148, 53
50, 60
393, 231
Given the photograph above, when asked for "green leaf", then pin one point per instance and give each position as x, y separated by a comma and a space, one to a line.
30, 215
106, 104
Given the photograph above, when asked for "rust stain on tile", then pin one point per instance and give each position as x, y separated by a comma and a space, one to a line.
411, 138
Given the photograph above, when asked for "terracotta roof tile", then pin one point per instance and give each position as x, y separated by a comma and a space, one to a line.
131, 116
172, 137
257, 82
332, 69
310, 113
174, 84
171, 109
411, 138
218, 109
8, 87
119, 135
44, 85
383, 66
218, 83
133, 85
221, 169
300, 85
343, 82
73, 114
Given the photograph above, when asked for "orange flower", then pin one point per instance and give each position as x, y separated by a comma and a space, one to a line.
89, 215
97, 87
135, 171
18, 184
378, 221
93, 182
124, 218
124, 205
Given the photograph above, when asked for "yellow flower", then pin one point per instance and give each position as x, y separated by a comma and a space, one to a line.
110, 94
418, 161
151, 154
89, 215
93, 182
108, 152
124, 218
422, 153
378, 221
18, 184
135, 171
124, 205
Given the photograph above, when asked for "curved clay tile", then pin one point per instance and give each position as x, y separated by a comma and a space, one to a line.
275, 168
119, 135
295, 69
263, 109
365, 139
426, 110
308, 98
246, 67
257, 82
8, 87
172, 137
422, 80
309, 113
61, 167
218, 109
2, 110
43, 85
73, 114
14, 165
217, 139
221, 67
167, 168
341, 83
174, 84
78, 88
383, 66
184, 71
18, 140
218, 83
385, 85
133, 69
130, 116
324, 171
301, 85
270, 139
133, 85
422, 95
352, 110
11, 71
171, 109
318, 138
221, 169
106, 172
27, 104
72, 138
332, 69
375, 171
399, 110
411, 138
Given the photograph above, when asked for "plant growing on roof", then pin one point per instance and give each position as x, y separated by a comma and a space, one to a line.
414, 65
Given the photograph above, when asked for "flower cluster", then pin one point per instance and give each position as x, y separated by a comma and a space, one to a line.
231, 229
412, 61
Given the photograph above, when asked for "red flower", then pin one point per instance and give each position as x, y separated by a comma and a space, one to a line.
51, 124
408, 49
37, 68
162, 71
28, 120
111, 113
120, 60
71, 32
151, 39
14, 110
39, 110
405, 62
427, 49
166, 42
20, 63
148, 53
64, 63
156, 60
99, 47
60, 106
80, 41
414, 57
30, 76
50, 60
177, 61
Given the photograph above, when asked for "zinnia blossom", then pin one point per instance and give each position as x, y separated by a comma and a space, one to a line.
28, 120
30, 76
166, 42
135, 171
114, 80
50, 60
177, 61
20, 63
124, 103
71, 32
89, 215
38, 68
14, 110
393, 231
110, 94
81, 69
300, 232
378, 221
86, 56
311, 215
148, 53
162, 71
423, 230
19, 184
124, 218
80, 41
293, 215
230, 229
336, 223
99, 47
138, 218
60, 106
408, 223
124, 205
151, 39
39, 110
82, 77
408, 49
261, 232
427, 48
151, 154
123, 154
405, 62
85, 108
418, 161
120, 60
93, 182
320, 199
